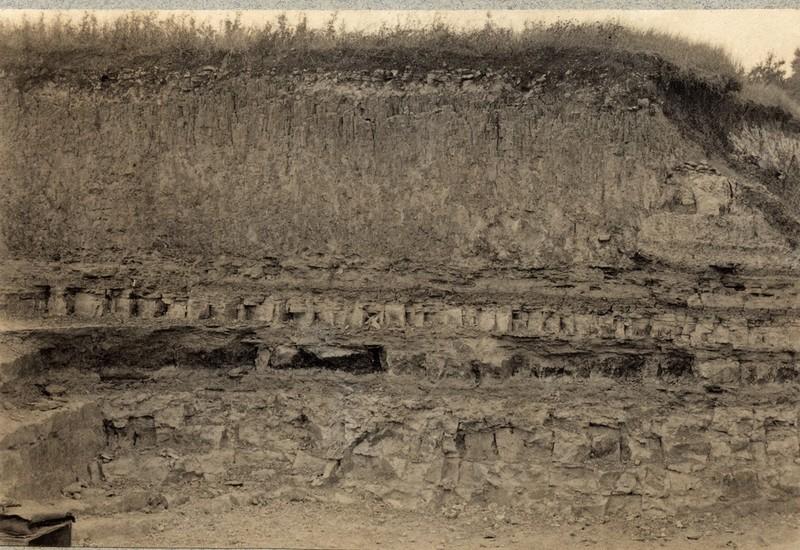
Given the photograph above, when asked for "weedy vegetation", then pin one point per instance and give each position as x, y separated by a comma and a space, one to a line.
139, 35
45, 46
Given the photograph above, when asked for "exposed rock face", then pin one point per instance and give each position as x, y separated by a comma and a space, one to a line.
608, 443
332, 167
554, 291
49, 449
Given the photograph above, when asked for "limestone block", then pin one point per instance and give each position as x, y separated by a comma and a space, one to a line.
326, 314
57, 303
198, 308
653, 481
251, 435
122, 305
307, 464
712, 194
552, 324
374, 316
687, 456
519, 321
536, 322
487, 320
452, 317
787, 479
177, 310
645, 450
741, 483
470, 317
263, 358
539, 445
211, 435
604, 443
575, 478
170, 417
783, 441
510, 444
626, 483
571, 447
472, 480
300, 312
719, 371
681, 483
120, 469
479, 446
228, 309
357, 316
395, 315
735, 421
89, 305
264, 311
503, 320
215, 464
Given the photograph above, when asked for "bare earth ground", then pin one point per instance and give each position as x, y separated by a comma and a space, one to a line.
288, 524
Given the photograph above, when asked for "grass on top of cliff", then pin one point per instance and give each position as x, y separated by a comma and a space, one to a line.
138, 39
41, 50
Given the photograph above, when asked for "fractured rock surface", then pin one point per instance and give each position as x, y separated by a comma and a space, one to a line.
435, 290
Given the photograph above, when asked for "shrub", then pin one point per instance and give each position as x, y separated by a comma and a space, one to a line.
771, 95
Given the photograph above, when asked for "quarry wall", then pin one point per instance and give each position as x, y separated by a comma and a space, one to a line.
451, 170
459, 285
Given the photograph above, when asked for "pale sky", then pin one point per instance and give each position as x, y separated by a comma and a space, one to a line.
748, 35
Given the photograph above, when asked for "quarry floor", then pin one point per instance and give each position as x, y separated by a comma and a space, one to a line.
312, 525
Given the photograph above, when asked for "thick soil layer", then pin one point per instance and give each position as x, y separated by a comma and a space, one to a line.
582, 161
